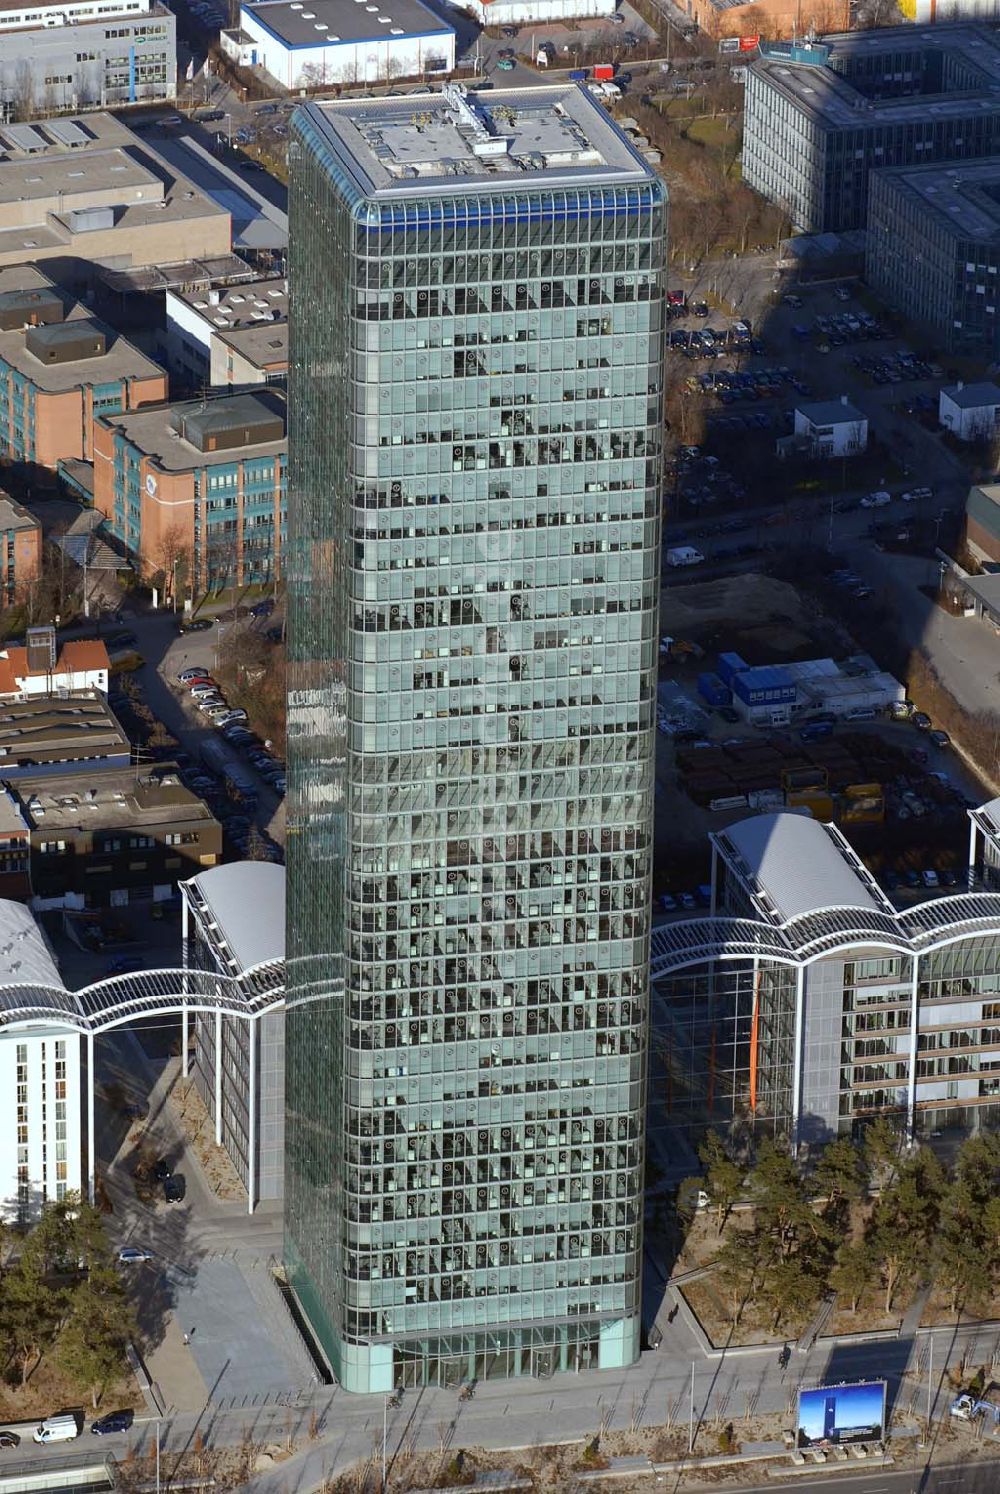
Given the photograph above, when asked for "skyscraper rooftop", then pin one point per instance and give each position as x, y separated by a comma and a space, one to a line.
457, 139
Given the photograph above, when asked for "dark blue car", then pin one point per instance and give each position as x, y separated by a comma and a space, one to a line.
115, 1421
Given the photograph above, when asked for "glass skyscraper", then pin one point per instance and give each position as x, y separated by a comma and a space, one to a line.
476, 392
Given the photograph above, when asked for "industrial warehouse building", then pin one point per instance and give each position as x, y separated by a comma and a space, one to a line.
314, 43
78, 54
91, 193
821, 119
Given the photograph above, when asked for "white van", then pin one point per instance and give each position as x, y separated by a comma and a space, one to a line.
57, 1429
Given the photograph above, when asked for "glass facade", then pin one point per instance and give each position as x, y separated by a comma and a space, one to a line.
473, 562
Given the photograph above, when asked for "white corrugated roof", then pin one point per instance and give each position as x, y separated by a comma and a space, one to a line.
990, 811
24, 955
247, 901
799, 864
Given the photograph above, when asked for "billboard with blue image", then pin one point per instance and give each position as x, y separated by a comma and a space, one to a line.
833, 1415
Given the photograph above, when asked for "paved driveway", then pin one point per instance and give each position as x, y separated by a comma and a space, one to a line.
240, 1343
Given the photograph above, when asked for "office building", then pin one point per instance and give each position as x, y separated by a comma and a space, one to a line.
90, 194
341, 41
933, 250
982, 524
228, 335
808, 1003
106, 839
476, 400
203, 481
59, 367
77, 54
20, 551
48, 733
38, 667
41, 1112
234, 924
821, 118
984, 846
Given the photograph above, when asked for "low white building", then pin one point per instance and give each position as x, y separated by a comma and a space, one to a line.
240, 47
832, 428
232, 335
970, 411
317, 43
38, 669
528, 12
41, 1117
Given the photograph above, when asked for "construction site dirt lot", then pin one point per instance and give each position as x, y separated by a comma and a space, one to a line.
927, 790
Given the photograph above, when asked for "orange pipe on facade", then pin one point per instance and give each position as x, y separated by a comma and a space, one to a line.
754, 1034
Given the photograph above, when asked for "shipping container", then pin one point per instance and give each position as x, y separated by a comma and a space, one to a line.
711, 688
820, 806
603, 72
804, 778
728, 666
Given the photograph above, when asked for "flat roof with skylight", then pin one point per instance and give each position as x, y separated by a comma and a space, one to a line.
312, 23
459, 141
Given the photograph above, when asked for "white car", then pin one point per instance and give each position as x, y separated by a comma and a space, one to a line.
916, 495
133, 1255
877, 499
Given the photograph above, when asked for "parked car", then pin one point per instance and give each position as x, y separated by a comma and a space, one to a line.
930, 877
162, 1170
193, 676
940, 738
115, 1421
262, 609
921, 721
195, 624
9, 1440
174, 1189
133, 1255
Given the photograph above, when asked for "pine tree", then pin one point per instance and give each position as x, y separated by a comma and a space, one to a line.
91, 1346
723, 1178
854, 1271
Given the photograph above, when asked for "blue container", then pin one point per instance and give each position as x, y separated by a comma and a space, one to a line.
711, 689
729, 666
765, 686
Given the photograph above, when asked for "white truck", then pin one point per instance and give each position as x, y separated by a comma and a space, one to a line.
684, 555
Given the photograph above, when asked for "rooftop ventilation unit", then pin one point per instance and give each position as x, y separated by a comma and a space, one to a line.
66, 342
226, 424
29, 308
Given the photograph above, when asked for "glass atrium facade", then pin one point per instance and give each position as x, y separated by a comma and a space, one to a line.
474, 566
